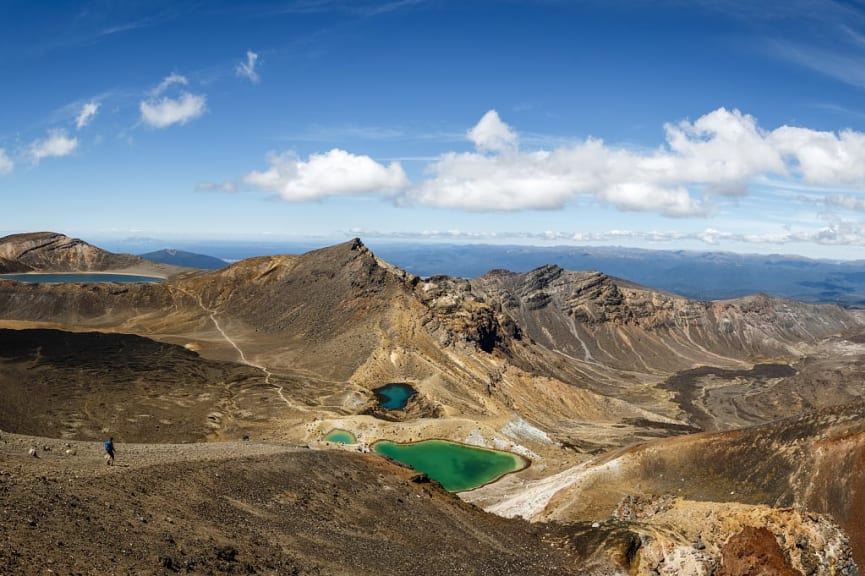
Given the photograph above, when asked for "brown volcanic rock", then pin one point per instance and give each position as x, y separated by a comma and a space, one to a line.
86, 385
326, 310
316, 294
595, 318
246, 508
813, 462
754, 552
48, 251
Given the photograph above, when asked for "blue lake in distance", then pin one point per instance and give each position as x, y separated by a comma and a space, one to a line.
79, 277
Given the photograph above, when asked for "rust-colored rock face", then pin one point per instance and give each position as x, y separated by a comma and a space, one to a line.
754, 552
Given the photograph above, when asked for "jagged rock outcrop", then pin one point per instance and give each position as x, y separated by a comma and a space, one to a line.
596, 318
455, 314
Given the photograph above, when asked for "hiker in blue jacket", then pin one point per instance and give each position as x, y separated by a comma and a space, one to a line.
109, 451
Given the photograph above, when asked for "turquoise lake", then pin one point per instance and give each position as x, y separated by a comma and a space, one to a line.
60, 278
394, 396
456, 467
338, 436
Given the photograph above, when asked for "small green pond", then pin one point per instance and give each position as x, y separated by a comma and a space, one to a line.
456, 467
340, 437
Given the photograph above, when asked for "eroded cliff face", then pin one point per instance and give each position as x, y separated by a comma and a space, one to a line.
598, 319
813, 463
667, 535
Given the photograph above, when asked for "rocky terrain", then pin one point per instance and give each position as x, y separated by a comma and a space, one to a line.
606, 386
52, 252
246, 508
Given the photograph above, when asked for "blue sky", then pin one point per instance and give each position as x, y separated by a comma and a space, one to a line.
722, 125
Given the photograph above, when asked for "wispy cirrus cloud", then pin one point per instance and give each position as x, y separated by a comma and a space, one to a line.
6, 163
359, 7
226, 187
56, 145
86, 115
846, 201
169, 81
247, 69
160, 111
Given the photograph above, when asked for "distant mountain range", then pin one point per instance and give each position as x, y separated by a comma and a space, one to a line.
693, 274
185, 259
700, 275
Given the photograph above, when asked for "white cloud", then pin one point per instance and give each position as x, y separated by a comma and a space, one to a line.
491, 134
6, 164
169, 81
247, 69
57, 144
846, 201
823, 158
166, 111
334, 173
720, 154
835, 233
88, 112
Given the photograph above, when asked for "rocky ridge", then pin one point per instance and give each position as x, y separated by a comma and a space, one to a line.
52, 252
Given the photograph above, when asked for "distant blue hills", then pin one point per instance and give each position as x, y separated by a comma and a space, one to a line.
700, 275
186, 259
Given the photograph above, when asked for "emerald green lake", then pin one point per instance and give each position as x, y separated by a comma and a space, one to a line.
455, 466
58, 278
394, 396
340, 437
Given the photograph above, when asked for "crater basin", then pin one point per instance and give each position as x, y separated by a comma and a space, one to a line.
456, 467
394, 396
338, 436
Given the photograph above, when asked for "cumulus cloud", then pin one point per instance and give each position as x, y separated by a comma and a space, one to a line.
491, 134
57, 144
165, 111
334, 173
88, 112
723, 153
823, 158
6, 164
247, 69
720, 154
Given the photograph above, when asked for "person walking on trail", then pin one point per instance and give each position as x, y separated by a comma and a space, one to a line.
109, 451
